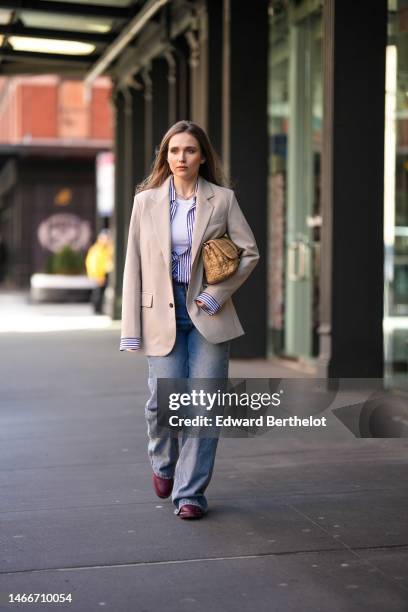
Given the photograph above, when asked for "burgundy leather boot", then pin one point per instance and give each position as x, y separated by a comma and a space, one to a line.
162, 486
190, 511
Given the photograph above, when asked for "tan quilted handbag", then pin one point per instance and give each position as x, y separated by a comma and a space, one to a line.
221, 259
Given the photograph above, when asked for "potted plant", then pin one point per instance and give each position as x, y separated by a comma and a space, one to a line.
64, 280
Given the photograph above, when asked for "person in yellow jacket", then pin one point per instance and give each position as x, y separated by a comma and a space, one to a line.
98, 263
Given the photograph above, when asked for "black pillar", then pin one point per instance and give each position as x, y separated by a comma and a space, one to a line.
116, 277
160, 89
181, 54
129, 146
351, 313
245, 110
128, 155
148, 119
215, 16
138, 136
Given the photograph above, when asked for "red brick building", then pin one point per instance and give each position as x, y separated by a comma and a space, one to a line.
39, 108
51, 131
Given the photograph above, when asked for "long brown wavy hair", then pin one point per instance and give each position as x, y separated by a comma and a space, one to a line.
211, 169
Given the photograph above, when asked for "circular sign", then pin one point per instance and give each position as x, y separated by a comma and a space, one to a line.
64, 229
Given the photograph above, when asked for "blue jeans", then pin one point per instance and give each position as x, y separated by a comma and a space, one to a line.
189, 460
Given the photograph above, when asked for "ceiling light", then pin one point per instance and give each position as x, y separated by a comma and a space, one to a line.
98, 27
49, 45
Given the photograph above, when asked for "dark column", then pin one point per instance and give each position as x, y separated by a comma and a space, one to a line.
116, 278
160, 88
181, 54
172, 84
138, 110
129, 145
351, 313
245, 110
128, 155
215, 15
148, 120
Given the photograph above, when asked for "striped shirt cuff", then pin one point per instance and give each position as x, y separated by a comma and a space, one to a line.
130, 343
211, 306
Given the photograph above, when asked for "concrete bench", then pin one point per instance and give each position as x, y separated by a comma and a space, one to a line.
60, 288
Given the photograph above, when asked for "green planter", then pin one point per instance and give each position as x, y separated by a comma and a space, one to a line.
67, 261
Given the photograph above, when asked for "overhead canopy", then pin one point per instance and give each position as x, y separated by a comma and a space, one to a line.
76, 38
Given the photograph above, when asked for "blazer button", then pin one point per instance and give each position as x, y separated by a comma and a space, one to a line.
171, 305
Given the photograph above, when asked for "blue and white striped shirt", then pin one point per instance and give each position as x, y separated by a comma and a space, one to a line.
180, 265
181, 262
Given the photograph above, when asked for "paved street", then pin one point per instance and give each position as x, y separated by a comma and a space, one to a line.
298, 522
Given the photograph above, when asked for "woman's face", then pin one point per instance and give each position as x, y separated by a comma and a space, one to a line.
184, 156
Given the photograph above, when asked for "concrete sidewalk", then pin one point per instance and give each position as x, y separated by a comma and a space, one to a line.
295, 523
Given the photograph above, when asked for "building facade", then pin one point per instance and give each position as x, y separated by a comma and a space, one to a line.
292, 95
306, 101
50, 135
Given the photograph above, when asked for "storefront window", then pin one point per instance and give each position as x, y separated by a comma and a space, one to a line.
396, 197
295, 109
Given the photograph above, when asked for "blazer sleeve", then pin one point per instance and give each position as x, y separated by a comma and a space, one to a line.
131, 301
240, 233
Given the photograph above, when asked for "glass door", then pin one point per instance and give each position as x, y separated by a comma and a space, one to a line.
295, 124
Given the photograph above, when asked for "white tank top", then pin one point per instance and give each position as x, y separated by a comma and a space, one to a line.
179, 233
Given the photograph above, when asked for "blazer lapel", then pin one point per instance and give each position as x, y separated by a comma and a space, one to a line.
204, 210
160, 213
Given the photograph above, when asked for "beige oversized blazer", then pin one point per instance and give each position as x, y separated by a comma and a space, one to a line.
148, 302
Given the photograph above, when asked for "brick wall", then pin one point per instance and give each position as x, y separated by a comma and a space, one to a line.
48, 107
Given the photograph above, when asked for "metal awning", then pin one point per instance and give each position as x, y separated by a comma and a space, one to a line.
81, 38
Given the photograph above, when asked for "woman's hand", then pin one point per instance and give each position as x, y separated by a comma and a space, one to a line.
200, 303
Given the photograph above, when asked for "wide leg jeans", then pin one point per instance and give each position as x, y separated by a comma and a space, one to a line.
188, 459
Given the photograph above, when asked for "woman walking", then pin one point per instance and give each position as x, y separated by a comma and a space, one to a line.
183, 324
